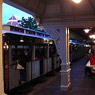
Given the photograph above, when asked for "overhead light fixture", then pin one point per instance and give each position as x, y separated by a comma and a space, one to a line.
21, 40
7, 46
92, 36
77, 1
86, 30
50, 42
94, 41
5, 43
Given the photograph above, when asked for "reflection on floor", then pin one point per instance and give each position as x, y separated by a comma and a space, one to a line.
80, 85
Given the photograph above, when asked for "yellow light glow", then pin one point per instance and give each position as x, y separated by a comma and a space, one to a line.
51, 43
92, 36
21, 40
7, 46
77, 1
86, 30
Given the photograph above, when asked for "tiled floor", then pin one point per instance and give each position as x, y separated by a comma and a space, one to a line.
80, 85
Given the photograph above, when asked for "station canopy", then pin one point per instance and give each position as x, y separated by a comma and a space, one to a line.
64, 10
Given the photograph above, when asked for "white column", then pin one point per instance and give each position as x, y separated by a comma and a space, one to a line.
60, 36
1, 62
64, 53
68, 47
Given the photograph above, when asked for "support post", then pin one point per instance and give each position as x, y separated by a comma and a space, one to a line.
65, 65
1, 62
60, 36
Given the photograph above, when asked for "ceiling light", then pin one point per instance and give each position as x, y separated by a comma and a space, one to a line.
77, 1
92, 36
21, 40
86, 30
51, 42
7, 46
5, 43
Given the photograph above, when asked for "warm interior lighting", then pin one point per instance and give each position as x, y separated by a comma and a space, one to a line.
5, 43
92, 36
86, 30
87, 45
44, 39
7, 46
21, 40
94, 41
77, 1
51, 42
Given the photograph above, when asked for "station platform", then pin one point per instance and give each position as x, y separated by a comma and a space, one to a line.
80, 84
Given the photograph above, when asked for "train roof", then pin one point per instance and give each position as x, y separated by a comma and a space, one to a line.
26, 28
6, 29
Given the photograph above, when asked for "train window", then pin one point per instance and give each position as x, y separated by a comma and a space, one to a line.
13, 47
39, 34
27, 32
42, 35
26, 47
19, 47
47, 35
41, 47
20, 30
12, 54
31, 32
13, 28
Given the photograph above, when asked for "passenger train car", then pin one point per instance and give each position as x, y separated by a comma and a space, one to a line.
78, 49
40, 54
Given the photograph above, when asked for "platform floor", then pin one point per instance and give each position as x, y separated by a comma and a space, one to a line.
80, 84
